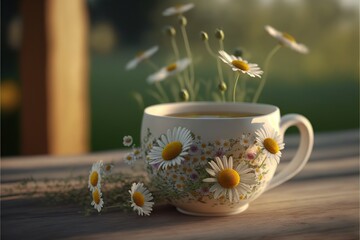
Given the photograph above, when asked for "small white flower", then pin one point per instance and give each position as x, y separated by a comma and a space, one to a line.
287, 40
140, 199
97, 200
107, 168
95, 175
130, 158
172, 148
178, 9
169, 70
127, 141
246, 140
141, 57
241, 65
230, 182
137, 152
270, 143
194, 149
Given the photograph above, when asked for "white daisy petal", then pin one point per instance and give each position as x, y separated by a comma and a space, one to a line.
220, 173
179, 139
240, 64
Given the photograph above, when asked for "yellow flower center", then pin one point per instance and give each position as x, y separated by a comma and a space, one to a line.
178, 6
288, 37
140, 54
171, 150
96, 196
271, 145
240, 65
129, 158
108, 167
228, 178
171, 67
94, 178
139, 199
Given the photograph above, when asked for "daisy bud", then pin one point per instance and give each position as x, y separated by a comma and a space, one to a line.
238, 52
204, 36
184, 95
182, 21
170, 31
219, 34
222, 87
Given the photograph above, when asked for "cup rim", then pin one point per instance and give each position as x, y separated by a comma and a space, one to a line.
262, 109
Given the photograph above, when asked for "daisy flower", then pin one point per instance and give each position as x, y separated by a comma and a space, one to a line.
95, 175
169, 70
127, 141
287, 40
178, 9
137, 153
141, 57
97, 200
130, 158
245, 140
140, 199
194, 149
270, 142
107, 168
230, 182
239, 64
172, 148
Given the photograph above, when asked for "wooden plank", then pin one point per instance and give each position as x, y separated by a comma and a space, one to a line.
326, 208
54, 77
321, 202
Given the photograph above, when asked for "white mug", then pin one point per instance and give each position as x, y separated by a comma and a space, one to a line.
212, 159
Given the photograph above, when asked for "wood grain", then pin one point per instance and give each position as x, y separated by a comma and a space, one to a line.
322, 202
54, 77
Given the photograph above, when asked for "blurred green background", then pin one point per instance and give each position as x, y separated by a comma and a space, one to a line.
322, 85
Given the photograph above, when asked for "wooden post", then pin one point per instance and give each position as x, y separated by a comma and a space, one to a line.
53, 65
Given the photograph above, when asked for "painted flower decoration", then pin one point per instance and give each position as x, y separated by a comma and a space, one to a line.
246, 140
130, 158
132, 64
141, 199
169, 70
270, 143
178, 9
97, 200
241, 65
172, 148
127, 141
287, 40
232, 183
95, 175
108, 168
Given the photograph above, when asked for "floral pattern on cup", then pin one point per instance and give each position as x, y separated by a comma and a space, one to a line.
184, 181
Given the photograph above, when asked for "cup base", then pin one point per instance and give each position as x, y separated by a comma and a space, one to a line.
214, 214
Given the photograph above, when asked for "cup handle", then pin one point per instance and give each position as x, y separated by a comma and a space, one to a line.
303, 153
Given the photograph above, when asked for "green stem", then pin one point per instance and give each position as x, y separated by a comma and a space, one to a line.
175, 48
243, 88
266, 67
210, 51
158, 84
161, 91
234, 90
221, 42
152, 64
188, 51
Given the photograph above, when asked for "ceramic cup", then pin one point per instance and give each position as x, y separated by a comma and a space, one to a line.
208, 160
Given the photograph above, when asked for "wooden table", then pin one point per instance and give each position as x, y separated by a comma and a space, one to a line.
322, 202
